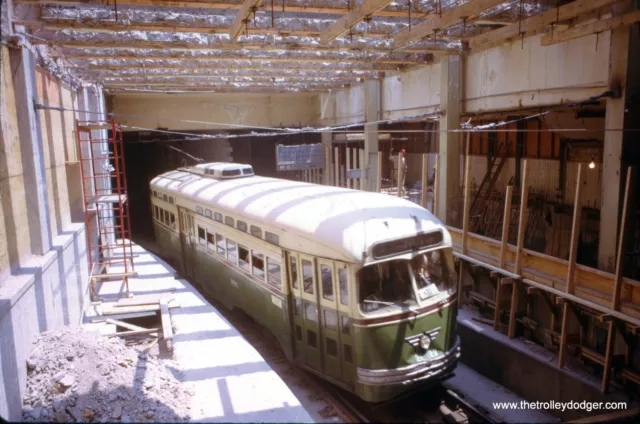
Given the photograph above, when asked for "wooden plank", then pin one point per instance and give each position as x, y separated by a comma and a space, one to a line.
143, 299
424, 178
362, 169
622, 236
129, 315
149, 331
536, 24
575, 232
496, 313
608, 356
592, 28
447, 17
515, 292
124, 324
506, 224
348, 167
346, 22
379, 175
435, 187
290, 8
562, 355
116, 275
167, 329
336, 166
522, 223
460, 281
467, 196
399, 174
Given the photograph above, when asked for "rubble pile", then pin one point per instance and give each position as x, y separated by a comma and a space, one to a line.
82, 376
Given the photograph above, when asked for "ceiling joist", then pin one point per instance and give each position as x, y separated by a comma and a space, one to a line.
592, 28
241, 21
447, 18
345, 23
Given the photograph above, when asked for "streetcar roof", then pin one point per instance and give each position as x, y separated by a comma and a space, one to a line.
343, 223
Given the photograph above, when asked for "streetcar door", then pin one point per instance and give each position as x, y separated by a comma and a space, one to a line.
295, 308
334, 318
311, 327
188, 243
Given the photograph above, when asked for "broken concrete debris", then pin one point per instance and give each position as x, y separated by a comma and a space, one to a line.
75, 375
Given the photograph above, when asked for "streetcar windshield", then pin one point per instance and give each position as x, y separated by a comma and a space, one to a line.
393, 285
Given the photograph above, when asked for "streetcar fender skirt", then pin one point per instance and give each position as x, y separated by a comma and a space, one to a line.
411, 374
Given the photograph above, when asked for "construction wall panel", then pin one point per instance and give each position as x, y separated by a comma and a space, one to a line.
14, 227
411, 93
591, 192
349, 105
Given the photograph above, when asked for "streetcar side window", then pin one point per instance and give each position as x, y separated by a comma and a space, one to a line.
210, 241
229, 221
155, 193
220, 244
255, 231
257, 262
293, 271
232, 251
244, 258
201, 235
327, 281
164, 197
217, 216
273, 273
344, 288
166, 217
207, 213
242, 226
155, 211
173, 220
307, 276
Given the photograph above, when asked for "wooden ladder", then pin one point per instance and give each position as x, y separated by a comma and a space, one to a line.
479, 208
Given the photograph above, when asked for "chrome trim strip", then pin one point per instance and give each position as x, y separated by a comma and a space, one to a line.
410, 373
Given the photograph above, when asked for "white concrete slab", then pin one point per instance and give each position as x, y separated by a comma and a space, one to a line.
230, 380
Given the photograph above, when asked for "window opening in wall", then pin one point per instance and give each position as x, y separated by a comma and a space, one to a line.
210, 241
201, 235
207, 213
255, 231
293, 266
244, 258
327, 281
217, 216
273, 269
220, 244
344, 288
307, 276
271, 238
257, 262
229, 221
232, 251
242, 226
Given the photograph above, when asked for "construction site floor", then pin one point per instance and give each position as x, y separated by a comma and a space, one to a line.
229, 379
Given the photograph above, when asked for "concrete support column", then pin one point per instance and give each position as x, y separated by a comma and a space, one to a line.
613, 166
371, 114
32, 149
327, 175
448, 178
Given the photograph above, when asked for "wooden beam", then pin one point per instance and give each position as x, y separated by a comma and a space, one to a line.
233, 47
124, 324
622, 236
608, 356
161, 79
424, 177
243, 17
522, 223
346, 22
379, 176
562, 355
536, 24
446, 18
506, 225
467, 195
496, 312
575, 233
289, 8
152, 61
434, 191
592, 28
515, 294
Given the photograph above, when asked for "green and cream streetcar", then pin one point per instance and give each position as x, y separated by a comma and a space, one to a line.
358, 287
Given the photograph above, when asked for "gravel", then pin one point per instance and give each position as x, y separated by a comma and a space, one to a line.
75, 375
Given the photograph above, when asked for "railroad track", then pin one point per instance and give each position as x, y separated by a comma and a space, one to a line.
433, 405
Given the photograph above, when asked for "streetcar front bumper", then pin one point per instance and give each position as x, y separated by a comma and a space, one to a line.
438, 366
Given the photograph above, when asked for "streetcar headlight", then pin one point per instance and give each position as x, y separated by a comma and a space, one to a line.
425, 342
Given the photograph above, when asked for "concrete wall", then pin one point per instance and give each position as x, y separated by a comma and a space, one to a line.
241, 109
512, 76
42, 286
